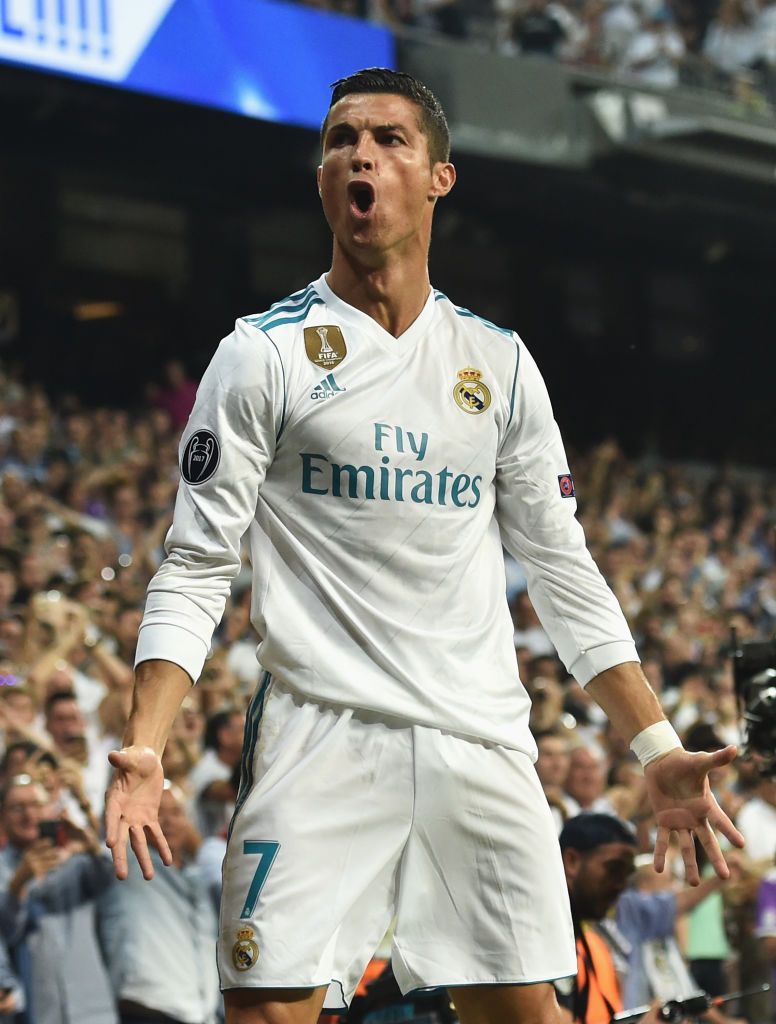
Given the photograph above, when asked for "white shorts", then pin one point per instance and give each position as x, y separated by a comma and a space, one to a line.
346, 820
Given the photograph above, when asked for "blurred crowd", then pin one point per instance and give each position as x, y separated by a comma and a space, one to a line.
86, 498
724, 45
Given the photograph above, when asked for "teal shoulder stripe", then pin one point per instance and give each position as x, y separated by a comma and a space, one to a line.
289, 300
439, 296
288, 304
467, 313
300, 314
514, 380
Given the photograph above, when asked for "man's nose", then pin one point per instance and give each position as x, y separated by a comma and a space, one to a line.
363, 156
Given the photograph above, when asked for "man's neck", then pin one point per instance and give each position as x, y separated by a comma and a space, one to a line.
393, 295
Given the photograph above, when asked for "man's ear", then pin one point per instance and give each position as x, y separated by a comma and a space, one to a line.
571, 863
318, 173
442, 179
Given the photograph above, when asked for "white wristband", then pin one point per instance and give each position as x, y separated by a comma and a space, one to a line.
654, 741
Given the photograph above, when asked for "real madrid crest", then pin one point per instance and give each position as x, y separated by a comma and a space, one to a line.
325, 346
245, 952
470, 393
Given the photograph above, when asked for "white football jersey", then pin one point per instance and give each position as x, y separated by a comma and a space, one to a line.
378, 478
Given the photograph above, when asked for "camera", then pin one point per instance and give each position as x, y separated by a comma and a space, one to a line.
754, 672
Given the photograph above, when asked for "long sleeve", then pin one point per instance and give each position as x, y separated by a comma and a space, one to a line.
227, 446
536, 510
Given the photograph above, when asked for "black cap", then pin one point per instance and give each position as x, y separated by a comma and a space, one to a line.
589, 831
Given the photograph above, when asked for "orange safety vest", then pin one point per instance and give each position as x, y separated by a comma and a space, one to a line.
597, 994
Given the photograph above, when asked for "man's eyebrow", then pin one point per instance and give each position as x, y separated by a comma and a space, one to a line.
339, 125
347, 126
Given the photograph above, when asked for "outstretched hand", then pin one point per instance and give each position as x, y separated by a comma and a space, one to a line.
679, 791
132, 808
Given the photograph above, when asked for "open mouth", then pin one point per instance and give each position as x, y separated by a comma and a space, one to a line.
362, 198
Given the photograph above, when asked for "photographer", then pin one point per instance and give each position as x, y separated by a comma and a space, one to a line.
50, 875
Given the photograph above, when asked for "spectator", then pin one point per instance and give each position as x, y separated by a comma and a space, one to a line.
732, 43
47, 904
598, 852
654, 54
620, 24
528, 630
586, 782
552, 767
647, 915
66, 725
159, 936
766, 924
177, 394
757, 822
537, 30
210, 779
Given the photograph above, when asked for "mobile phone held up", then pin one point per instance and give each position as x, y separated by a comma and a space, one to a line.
55, 830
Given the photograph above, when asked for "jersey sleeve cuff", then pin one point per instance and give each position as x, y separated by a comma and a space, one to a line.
167, 642
591, 663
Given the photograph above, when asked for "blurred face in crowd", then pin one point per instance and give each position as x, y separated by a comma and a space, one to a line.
77, 430
125, 504
376, 180
587, 776
30, 442
172, 817
22, 813
523, 614
33, 574
596, 878
66, 726
230, 739
127, 626
653, 670
11, 636
7, 587
552, 765
14, 488
60, 680
20, 703
15, 760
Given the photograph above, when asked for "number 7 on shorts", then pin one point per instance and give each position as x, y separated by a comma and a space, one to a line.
267, 852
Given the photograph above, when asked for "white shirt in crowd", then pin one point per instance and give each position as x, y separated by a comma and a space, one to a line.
653, 54
757, 823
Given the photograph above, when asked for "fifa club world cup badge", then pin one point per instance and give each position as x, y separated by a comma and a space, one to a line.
245, 952
470, 393
200, 457
325, 346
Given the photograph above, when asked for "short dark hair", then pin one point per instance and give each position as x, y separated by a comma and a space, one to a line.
27, 746
58, 698
433, 122
589, 831
216, 722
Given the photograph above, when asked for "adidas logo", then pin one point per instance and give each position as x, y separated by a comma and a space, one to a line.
328, 388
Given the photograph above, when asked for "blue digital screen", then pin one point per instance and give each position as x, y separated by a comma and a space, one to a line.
260, 58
